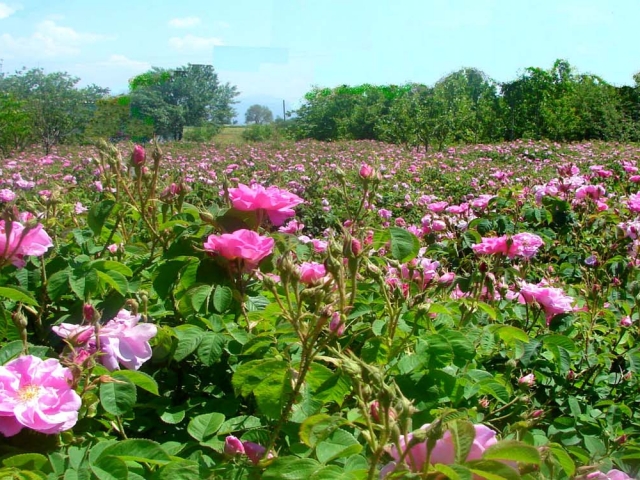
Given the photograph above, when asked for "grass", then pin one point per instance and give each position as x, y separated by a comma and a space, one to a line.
231, 135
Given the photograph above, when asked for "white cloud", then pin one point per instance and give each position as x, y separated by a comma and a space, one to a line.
48, 40
120, 61
6, 10
185, 22
192, 43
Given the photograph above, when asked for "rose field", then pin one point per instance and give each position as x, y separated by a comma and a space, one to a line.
342, 310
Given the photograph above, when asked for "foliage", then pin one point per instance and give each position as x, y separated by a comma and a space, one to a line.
466, 106
258, 114
57, 110
405, 339
188, 96
15, 124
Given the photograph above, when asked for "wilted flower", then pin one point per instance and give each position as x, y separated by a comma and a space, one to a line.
37, 394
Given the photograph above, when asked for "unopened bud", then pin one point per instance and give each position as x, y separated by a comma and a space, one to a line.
233, 446
366, 171
19, 320
336, 326
356, 247
89, 312
138, 156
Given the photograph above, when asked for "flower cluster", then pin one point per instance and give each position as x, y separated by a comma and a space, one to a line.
123, 340
37, 394
523, 245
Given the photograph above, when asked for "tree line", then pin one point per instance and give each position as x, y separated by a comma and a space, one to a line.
50, 109
469, 107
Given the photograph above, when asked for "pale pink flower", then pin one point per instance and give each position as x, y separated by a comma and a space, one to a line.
626, 321
634, 202
528, 380
243, 245
552, 300
7, 195
79, 208
123, 340
610, 475
21, 241
37, 394
444, 449
278, 204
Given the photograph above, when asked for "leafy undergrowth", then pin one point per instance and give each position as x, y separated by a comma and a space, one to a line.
321, 311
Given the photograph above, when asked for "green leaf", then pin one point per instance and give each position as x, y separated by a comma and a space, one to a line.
512, 450
268, 380
454, 472
179, 470
404, 244
174, 415
562, 458
493, 470
98, 214
509, 334
137, 450
31, 461
210, 348
107, 266
110, 468
18, 294
291, 468
140, 379
339, 444
58, 284
189, 337
10, 351
222, 298
205, 426
115, 280
199, 296
463, 434
119, 396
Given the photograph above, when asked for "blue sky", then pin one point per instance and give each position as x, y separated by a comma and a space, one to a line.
279, 49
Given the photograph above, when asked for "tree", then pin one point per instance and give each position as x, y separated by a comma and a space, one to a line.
188, 96
58, 111
258, 114
15, 124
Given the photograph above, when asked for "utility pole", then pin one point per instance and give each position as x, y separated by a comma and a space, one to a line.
284, 112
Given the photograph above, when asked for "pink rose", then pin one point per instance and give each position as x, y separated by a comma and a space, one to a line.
444, 449
278, 204
245, 246
123, 340
21, 241
552, 300
634, 202
312, 272
36, 394
366, 171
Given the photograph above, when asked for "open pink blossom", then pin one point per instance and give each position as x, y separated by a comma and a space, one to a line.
634, 202
610, 475
552, 300
278, 204
20, 241
243, 245
37, 394
312, 272
444, 449
522, 244
123, 340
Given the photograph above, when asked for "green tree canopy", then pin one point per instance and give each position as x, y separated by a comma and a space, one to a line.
188, 96
258, 114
